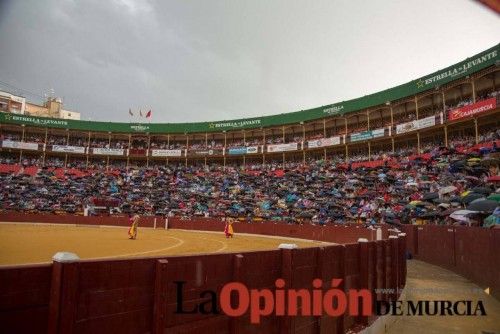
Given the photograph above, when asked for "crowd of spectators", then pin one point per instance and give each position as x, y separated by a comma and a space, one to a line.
464, 140
436, 189
469, 100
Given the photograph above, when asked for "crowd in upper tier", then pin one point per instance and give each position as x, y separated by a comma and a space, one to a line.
454, 185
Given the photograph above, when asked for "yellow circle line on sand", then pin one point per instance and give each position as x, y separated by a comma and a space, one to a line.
224, 244
179, 242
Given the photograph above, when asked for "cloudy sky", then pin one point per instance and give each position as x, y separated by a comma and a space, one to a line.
222, 59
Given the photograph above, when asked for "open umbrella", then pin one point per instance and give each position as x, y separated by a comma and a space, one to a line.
461, 215
448, 212
494, 197
490, 162
431, 214
482, 190
430, 196
495, 178
441, 200
447, 190
483, 206
473, 161
491, 221
471, 197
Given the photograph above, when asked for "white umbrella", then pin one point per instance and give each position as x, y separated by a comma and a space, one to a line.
447, 190
461, 215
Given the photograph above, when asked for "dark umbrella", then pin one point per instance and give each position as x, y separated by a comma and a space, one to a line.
482, 190
442, 200
483, 206
431, 214
494, 197
448, 212
471, 197
459, 163
477, 170
430, 196
306, 214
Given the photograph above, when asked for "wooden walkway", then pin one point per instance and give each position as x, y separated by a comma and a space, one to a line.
429, 282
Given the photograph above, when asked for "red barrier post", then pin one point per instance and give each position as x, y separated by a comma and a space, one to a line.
320, 271
342, 259
237, 277
63, 293
160, 296
285, 322
394, 282
402, 258
363, 275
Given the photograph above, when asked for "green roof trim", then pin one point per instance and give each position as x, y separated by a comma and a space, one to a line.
467, 67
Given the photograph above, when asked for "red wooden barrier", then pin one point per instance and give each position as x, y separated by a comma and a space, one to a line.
140, 295
24, 298
469, 251
477, 255
437, 245
331, 233
411, 239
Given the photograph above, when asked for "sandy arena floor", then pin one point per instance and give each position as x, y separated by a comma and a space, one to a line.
37, 243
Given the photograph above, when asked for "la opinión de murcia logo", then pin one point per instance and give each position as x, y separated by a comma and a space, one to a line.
236, 299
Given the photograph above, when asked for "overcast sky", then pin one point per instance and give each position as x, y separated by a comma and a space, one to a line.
212, 60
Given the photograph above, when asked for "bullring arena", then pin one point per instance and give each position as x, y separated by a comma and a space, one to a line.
29, 243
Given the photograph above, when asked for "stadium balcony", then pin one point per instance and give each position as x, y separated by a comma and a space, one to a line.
432, 109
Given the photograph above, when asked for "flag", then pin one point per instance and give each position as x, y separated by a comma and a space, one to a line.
130, 112
140, 112
148, 115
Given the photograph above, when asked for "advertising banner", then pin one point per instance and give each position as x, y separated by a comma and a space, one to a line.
243, 150
415, 125
68, 149
365, 135
426, 122
282, 147
204, 152
108, 151
406, 127
237, 150
323, 142
166, 153
252, 149
20, 145
472, 109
